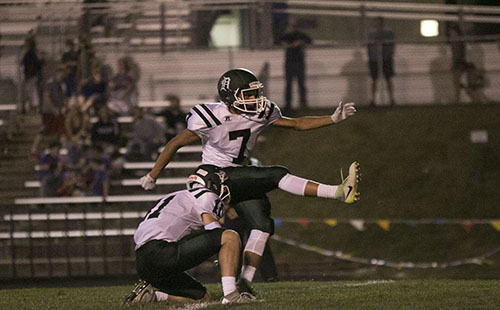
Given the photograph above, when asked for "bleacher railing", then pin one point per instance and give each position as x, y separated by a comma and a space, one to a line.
84, 236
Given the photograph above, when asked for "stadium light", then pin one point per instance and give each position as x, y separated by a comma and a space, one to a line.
429, 28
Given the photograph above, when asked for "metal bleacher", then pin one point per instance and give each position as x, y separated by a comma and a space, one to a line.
77, 236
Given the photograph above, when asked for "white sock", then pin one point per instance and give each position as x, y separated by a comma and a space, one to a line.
327, 191
160, 296
247, 272
293, 184
228, 285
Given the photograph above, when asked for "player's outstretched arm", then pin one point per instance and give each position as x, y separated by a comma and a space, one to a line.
185, 137
342, 112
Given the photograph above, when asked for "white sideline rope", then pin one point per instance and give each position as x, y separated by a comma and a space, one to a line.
478, 260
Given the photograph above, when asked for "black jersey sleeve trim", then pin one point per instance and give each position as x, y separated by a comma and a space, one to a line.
209, 112
202, 117
198, 195
271, 110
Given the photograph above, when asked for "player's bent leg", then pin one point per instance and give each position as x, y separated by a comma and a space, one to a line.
252, 257
197, 247
162, 263
256, 214
229, 256
229, 253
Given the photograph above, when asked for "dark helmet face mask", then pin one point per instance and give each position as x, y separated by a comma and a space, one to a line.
213, 179
241, 90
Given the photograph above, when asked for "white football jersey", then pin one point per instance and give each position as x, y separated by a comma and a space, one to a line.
178, 214
227, 138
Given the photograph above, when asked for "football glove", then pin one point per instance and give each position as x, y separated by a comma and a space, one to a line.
343, 111
147, 182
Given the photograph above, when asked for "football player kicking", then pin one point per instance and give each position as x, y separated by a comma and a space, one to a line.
170, 240
229, 131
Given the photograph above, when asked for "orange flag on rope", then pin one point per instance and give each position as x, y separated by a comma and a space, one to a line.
384, 224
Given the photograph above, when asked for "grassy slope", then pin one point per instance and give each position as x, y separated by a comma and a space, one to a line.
417, 162
415, 295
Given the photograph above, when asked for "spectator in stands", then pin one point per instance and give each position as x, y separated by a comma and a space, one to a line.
381, 49
116, 166
458, 58
53, 110
96, 172
77, 127
475, 83
70, 59
97, 178
295, 65
134, 68
106, 131
86, 55
147, 136
32, 63
71, 184
50, 168
175, 118
93, 94
50, 184
123, 89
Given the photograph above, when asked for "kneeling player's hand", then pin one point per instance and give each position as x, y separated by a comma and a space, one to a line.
147, 182
343, 111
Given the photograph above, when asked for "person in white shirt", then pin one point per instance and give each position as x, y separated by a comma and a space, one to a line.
180, 232
228, 131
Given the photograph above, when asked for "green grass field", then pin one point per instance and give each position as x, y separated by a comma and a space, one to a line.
345, 295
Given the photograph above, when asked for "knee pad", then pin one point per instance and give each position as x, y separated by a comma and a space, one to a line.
256, 242
293, 184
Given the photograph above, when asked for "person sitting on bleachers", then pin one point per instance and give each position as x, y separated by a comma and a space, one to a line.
50, 169
77, 134
147, 136
175, 118
72, 184
53, 109
123, 90
93, 92
96, 177
106, 131
52, 181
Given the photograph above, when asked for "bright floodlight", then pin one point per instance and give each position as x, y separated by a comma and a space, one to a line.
429, 28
